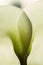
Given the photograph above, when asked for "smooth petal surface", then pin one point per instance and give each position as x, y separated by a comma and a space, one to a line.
35, 13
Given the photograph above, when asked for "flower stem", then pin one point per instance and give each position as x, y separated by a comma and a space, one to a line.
23, 62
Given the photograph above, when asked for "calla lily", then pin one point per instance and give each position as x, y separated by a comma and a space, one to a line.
15, 24
35, 14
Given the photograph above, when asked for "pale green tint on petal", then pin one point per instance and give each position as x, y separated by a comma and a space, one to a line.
25, 33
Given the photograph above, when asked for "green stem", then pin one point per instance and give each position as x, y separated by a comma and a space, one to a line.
23, 62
